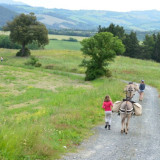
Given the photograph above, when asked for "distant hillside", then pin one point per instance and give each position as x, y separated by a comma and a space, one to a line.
11, 2
90, 19
6, 15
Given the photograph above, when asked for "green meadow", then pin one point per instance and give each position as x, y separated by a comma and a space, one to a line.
48, 111
63, 45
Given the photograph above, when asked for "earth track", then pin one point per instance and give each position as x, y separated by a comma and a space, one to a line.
141, 143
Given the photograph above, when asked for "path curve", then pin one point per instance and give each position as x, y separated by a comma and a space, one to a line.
141, 143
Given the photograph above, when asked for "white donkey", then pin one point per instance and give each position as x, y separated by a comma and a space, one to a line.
126, 107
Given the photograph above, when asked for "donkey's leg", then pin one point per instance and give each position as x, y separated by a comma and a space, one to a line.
122, 122
127, 123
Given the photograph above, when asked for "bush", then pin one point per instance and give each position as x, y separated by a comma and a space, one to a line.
73, 39
26, 53
5, 42
33, 61
50, 66
38, 64
70, 39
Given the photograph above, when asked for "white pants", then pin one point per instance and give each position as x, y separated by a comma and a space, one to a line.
108, 116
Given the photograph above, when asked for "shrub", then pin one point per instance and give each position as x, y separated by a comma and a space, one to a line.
33, 61
50, 66
38, 64
24, 54
5, 42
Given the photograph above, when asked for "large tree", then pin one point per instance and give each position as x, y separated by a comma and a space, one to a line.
25, 29
100, 50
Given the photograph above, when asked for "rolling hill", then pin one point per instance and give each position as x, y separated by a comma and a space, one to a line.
84, 19
6, 15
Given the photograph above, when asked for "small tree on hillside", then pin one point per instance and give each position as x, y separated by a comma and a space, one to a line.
25, 29
101, 48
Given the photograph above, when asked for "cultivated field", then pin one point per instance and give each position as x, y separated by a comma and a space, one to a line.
61, 37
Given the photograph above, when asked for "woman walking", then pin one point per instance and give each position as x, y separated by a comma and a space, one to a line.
107, 106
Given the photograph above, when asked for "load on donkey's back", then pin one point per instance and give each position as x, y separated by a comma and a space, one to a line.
126, 108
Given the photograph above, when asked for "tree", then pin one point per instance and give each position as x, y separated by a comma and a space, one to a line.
149, 45
115, 30
132, 45
101, 49
25, 29
156, 53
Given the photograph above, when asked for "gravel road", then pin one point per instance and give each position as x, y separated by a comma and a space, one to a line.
141, 143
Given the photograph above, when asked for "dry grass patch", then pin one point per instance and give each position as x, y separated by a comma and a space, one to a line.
24, 104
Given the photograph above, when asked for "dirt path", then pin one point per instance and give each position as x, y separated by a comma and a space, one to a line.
141, 143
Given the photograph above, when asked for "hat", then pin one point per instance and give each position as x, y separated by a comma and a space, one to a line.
142, 80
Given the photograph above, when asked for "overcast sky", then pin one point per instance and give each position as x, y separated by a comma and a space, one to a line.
111, 5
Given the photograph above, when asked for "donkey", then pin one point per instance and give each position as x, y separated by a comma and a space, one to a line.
126, 108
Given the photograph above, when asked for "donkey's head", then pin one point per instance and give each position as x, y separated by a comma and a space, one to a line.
130, 90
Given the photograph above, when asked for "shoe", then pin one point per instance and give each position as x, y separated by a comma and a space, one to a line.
106, 125
109, 127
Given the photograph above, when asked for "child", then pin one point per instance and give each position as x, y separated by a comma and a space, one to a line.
107, 106
141, 90
1, 59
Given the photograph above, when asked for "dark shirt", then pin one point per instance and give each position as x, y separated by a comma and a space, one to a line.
142, 86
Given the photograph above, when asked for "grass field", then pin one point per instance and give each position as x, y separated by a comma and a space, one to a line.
63, 45
47, 112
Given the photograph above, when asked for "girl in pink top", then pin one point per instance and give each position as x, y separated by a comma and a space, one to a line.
107, 106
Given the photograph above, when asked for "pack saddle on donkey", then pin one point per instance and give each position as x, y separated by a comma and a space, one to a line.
127, 107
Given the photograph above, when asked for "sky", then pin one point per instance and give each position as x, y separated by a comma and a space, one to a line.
111, 5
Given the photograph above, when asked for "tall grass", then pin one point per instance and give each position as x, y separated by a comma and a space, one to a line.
44, 115
47, 112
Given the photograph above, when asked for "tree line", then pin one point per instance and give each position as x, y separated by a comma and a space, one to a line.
5, 42
149, 48
69, 32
